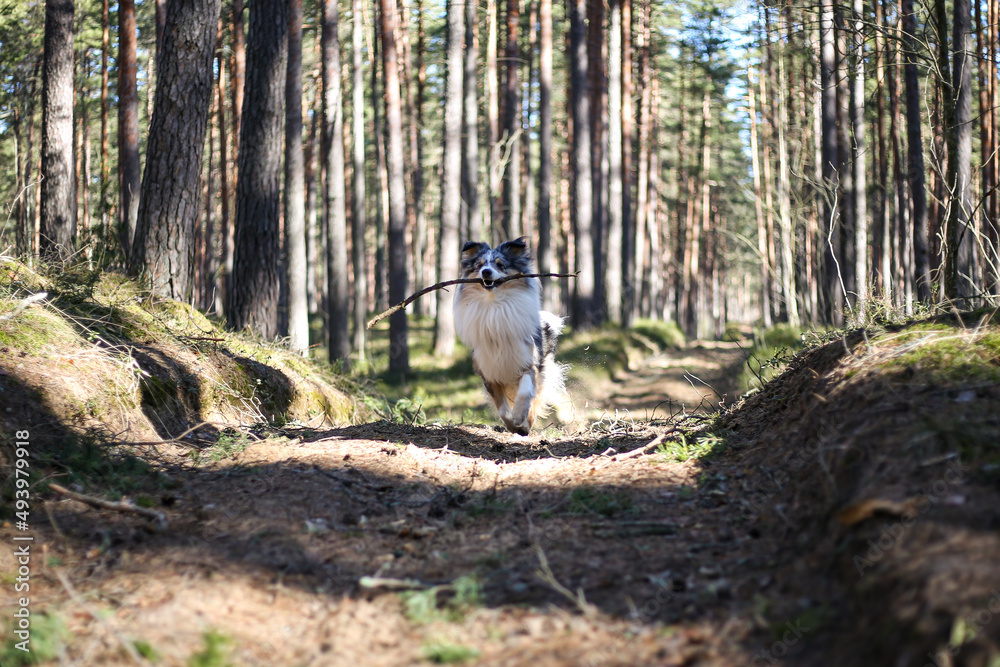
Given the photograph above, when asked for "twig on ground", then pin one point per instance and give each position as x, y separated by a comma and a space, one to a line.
639, 451
101, 504
459, 281
391, 583
173, 441
545, 574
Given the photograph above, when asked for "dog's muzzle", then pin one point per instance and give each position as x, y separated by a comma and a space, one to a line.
489, 281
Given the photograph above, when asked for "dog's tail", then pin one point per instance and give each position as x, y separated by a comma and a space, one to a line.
554, 394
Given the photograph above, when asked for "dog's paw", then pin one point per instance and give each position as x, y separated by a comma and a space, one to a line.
524, 428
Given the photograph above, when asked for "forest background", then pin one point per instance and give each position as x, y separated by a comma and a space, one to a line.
698, 162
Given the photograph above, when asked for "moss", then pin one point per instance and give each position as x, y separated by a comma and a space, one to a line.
665, 335
36, 329
947, 356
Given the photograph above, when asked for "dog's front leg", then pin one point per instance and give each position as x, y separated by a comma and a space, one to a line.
496, 392
524, 414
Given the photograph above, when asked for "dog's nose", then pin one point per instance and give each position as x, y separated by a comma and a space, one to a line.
487, 274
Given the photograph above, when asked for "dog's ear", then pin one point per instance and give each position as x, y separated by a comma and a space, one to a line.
473, 248
515, 248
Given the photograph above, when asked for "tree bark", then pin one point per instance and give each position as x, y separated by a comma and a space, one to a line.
359, 254
915, 154
334, 203
257, 260
472, 215
169, 202
451, 190
615, 209
494, 150
765, 272
958, 277
546, 256
296, 259
225, 222
584, 314
630, 237
239, 65
833, 296
859, 151
104, 206
57, 228
399, 352
128, 127
510, 218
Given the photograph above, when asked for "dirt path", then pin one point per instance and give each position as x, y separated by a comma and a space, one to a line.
555, 549
696, 378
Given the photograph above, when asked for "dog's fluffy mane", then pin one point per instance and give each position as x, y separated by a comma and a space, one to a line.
510, 336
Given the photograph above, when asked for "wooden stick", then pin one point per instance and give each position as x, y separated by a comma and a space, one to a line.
460, 281
101, 504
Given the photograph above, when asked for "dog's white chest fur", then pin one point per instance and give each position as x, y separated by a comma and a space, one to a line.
499, 326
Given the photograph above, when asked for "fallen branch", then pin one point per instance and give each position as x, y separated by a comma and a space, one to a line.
544, 572
639, 451
460, 281
24, 304
101, 504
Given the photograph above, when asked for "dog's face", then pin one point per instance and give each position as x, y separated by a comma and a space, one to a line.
489, 264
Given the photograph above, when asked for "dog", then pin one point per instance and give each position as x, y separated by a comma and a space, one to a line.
513, 341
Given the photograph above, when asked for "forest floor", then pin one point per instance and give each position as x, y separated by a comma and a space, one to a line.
845, 514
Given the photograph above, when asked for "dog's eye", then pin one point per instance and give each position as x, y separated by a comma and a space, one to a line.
499, 265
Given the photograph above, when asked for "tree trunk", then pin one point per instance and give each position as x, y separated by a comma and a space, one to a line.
986, 143
334, 204
399, 353
57, 228
257, 260
915, 155
598, 90
546, 255
511, 215
382, 198
902, 239
27, 244
765, 272
881, 261
958, 273
472, 216
414, 121
529, 204
858, 160
296, 259
584, 314
451, 190
168, 205
615, 209
208, 284
630, 238
104, 206
495, 151
128, 127
359, 255
784, 204
239, 64
225, 222
832, 294
83, 161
